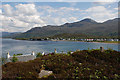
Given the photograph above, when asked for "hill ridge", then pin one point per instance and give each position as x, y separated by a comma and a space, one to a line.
86, 26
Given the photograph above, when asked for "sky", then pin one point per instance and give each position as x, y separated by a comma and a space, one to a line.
22, 16
59, 0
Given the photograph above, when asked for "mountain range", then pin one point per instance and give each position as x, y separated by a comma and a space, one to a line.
9, 34
86, 28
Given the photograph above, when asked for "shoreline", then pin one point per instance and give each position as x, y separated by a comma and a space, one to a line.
107, 42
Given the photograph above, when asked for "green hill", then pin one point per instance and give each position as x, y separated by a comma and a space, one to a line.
86, 27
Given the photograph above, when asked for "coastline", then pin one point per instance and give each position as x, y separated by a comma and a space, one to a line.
107, 42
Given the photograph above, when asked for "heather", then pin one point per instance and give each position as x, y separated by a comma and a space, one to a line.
85, 64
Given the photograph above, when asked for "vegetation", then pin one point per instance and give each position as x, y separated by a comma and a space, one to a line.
3, 60
21, 38
81, 36
110, 41
86, 28
14, 59
86, 64
39, 54
17, 54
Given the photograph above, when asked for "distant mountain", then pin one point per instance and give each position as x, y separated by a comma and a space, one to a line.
9, 34
86, 27
88, 20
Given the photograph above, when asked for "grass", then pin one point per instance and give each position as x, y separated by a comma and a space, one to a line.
85, 64
18, 54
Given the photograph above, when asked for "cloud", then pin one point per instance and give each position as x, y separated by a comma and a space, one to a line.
0, 11
31, 19
96, 9
105, 2
69, 9
18, 23
1, 30
72, 19
116, 8
0, 5
22, 17
21, 23
8, 10
1, 18
26, 9
109, 1
58, 0
100, 13
59, 15
13, 22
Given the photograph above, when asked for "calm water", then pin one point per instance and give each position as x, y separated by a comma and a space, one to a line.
26, 47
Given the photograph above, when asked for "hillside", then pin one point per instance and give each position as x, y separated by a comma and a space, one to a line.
80, 65
87, 27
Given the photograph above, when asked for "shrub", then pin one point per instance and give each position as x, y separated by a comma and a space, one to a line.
3, 60
110, 49
69, 52
14, 59
17, 54
39, 54
81, 64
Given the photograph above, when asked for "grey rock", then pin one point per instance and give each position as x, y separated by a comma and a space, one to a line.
102, 49
45, 73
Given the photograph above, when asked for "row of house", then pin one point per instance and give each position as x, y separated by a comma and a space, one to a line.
71, 39
86, 39
98, 39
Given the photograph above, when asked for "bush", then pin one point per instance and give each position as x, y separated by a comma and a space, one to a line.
81, 64
3, 60
18, 54
14, 59
69, 52
39, 54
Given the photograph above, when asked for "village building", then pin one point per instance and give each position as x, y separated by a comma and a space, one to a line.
21, 58
116, 39
110, 39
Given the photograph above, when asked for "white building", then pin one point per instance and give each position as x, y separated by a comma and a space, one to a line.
22, 58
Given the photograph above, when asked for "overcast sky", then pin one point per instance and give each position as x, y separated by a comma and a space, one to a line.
22, 16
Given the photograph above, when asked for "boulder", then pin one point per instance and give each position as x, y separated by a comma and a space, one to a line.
45, 73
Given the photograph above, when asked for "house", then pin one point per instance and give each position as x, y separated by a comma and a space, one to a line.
21, 58
110, 39
116, 39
